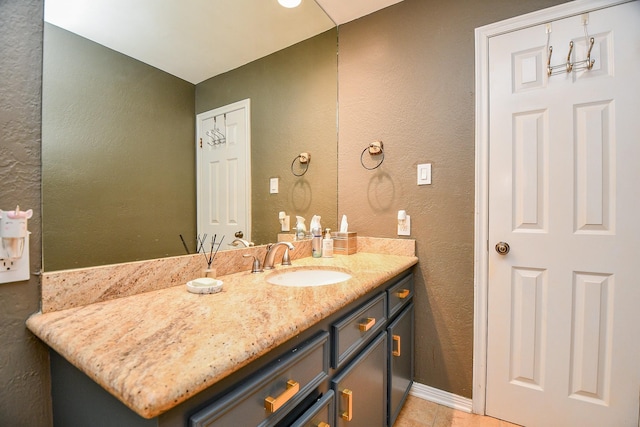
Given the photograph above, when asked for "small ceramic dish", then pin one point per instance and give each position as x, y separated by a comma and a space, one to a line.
204, 285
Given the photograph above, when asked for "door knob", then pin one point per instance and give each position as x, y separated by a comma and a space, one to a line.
502, 248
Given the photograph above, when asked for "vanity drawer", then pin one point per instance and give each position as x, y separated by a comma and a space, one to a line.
400, 294
354, 331
320, 414
267, 396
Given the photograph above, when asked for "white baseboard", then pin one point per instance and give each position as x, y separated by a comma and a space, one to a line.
441, 397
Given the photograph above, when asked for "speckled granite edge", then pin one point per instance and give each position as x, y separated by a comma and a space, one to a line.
66, 289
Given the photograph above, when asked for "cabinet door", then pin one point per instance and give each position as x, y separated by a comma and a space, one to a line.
361, 389
400, 333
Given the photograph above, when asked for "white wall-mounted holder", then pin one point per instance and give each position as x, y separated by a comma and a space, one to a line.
285, 221
14, 247
404, 223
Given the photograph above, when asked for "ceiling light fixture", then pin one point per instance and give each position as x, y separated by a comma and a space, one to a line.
289, 3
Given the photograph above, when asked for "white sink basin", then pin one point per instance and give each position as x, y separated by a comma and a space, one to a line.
308, 277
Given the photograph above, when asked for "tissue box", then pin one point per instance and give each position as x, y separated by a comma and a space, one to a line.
345, 243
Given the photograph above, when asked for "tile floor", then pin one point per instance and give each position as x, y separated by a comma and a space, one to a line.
422, 413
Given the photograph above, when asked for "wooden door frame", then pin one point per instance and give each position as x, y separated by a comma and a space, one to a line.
481, 217
246, 104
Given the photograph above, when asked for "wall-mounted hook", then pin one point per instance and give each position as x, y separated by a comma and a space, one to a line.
376, 148
303, 159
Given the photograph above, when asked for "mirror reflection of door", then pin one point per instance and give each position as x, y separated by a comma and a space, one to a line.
223, 156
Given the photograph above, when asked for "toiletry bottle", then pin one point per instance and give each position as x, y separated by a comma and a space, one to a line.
301, 229
327, 244
316, 237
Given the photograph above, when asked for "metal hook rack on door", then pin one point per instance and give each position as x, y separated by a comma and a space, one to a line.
215, 135
568, 66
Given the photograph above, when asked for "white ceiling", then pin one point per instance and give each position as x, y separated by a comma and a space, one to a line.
199, 39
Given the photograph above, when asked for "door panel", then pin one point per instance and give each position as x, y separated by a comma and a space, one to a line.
562, 303
224, 177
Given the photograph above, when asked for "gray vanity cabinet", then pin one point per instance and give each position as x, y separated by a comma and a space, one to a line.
351, 369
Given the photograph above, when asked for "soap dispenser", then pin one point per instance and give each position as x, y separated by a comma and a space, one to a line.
327, 244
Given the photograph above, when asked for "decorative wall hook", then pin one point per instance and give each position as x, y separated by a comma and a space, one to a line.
376, 148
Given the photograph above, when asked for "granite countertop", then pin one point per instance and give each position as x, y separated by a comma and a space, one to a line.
156, 349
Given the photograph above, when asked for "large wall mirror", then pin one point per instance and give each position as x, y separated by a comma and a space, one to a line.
118, 135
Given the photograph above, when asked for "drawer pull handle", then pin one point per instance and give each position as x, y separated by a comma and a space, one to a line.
323, 424
272, 404
364, 327
396, 339
348, 414
403, 293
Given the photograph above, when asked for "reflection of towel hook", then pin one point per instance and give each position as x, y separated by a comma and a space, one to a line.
375, 149
303, 159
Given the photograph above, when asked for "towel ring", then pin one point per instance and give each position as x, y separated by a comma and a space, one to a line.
375, 149
303, 159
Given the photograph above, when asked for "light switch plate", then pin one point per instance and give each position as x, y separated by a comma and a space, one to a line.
424, 174
273, 185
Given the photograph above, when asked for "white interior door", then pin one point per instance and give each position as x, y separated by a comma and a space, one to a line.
224, 172
563, 347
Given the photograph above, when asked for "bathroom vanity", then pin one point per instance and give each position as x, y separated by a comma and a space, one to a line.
254, 354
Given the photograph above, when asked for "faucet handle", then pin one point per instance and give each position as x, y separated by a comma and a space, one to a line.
256, 268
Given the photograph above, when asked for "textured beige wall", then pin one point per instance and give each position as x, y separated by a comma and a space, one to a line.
293, 110
406, 76
24, 361
118, 164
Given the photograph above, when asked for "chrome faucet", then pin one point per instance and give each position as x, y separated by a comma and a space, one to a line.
241, 241
269, 258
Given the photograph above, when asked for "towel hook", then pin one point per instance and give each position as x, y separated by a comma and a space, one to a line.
376, 148
303, 159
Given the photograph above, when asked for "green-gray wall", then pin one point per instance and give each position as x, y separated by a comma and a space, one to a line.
406, 76
118, 159
24, 361
293, 110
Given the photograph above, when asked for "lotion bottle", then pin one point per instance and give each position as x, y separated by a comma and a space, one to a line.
327, 244
316, 238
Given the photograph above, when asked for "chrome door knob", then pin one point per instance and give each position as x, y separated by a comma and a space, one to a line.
502, 248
